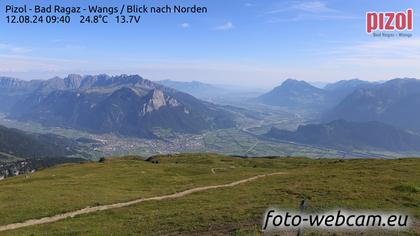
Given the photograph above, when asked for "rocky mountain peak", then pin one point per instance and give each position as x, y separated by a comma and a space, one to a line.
7, 82
294, 83
73, 81
156, 99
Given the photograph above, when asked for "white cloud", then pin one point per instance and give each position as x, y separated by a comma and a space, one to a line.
20, 50
308, 7
299, 11
226, 26
313, 7
185, 25
13, 49
248, 4
301, 17
60, 40
399, 53
22, 64
379, 49
376, 59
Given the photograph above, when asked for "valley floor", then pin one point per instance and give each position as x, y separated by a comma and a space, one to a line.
245, 140
381, 185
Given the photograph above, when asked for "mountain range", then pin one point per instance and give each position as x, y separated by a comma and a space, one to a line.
296, 94
351, 135
354, 113
396, 102
125, 104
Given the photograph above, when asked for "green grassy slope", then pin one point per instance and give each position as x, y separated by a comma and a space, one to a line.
350, 184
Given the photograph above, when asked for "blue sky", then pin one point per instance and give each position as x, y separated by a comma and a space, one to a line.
247, 43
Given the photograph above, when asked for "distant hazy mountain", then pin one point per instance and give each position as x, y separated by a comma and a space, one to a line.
348, 86
396, 102
295, 94
341, 89
195, 88
319, 84
27, 145
11, 90
300, 94
128, 105
220, 94
9, 83
351, 135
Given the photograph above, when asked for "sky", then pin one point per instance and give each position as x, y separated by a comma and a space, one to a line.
244, 43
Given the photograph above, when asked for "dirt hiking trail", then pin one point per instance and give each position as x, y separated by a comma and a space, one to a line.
88, 210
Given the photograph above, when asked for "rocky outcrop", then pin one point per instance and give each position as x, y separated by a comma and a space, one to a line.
10, 169
73, 81
14, 169
157, 99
